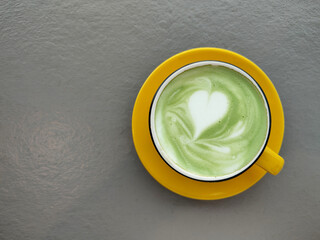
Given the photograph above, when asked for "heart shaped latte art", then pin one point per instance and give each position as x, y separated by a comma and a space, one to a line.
206, 110
210, 121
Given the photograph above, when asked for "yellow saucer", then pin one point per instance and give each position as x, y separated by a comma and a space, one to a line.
150, 157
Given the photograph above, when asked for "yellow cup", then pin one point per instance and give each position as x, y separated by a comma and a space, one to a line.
270, 161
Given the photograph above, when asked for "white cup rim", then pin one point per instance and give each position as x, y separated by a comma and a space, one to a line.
154, 136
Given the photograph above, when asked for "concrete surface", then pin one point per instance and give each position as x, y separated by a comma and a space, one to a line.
69, 74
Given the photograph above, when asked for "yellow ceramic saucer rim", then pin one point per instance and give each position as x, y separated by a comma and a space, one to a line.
150, 158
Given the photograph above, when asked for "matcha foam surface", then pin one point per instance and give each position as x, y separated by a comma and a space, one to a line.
211, 121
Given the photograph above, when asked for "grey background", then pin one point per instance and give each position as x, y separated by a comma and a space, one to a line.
69, 75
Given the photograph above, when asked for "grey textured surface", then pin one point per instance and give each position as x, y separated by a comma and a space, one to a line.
69, 74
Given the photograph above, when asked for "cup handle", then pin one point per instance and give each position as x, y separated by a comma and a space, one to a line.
270, 161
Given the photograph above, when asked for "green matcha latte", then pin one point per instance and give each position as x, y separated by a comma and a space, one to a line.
209, 121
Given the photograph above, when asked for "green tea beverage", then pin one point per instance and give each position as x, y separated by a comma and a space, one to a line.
210, 121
